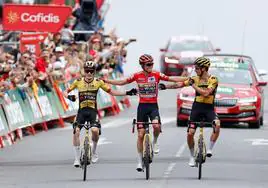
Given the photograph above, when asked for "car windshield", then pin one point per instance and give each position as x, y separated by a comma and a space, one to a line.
232, 76
190, 45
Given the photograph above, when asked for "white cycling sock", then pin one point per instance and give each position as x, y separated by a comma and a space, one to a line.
192, 152
155, 140
139, 157
94, 147
77, 152
211, 145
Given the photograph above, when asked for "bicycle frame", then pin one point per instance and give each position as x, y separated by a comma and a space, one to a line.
200, 154
86, 154
147, 145
149, 137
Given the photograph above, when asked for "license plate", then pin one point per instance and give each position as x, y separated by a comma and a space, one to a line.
222, 110
172, 66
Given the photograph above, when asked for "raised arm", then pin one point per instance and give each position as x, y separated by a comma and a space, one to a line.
172, 78
116, 82
184, 81
69, 89
121, 82
108, 89
171, 86
123, 93
177, 78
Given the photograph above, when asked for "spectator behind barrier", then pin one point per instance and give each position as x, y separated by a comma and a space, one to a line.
60, 62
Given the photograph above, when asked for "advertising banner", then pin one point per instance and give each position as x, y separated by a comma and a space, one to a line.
43, 18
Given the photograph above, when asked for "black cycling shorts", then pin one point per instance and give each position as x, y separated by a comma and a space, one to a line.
87, 115
146, 111
205, 111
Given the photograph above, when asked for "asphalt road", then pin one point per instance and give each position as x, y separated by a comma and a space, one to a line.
45, 160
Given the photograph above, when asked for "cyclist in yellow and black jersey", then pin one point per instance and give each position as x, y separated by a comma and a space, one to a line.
88, 87
211, 83
205, 86
88, 91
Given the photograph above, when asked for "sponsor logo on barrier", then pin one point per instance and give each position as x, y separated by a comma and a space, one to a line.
14, 112
33, 38
45, 105
2, 127
35, 108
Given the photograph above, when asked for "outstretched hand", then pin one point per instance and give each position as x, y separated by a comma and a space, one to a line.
131, 92
162, 86
72, 98
191, 81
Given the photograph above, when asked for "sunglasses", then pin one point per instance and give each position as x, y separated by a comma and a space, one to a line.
198, 68
89, 70
149, 64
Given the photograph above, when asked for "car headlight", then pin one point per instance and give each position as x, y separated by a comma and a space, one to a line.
171, 60
186, 97
247, 100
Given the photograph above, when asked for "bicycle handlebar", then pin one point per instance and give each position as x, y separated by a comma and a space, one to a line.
203, 123
140, 122
86, 126
146, 123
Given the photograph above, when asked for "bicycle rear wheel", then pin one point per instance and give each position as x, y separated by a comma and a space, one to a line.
147, 156
85, 157
200, 158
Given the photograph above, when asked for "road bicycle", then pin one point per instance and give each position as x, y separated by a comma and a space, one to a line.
86, 152
147, 152
201, 151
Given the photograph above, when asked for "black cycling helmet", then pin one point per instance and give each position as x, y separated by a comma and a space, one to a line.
90, 65
202, 62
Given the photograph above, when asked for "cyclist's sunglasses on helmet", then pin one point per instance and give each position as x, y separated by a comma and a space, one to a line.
89, 70
149, 64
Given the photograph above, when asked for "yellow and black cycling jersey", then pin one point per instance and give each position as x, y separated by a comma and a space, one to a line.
88, 91
212, 83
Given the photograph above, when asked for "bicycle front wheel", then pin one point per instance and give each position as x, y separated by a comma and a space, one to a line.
147, 156
85, 157
200, 158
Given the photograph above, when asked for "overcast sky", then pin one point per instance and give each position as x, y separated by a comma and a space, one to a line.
152, 22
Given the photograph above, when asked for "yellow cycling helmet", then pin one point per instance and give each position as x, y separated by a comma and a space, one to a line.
202, 62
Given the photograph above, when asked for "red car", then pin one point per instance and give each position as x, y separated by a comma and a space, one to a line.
182, 51
239, 97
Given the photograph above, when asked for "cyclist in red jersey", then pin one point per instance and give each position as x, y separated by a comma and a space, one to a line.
147, 81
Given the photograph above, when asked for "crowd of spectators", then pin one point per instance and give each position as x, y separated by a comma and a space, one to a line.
61, 60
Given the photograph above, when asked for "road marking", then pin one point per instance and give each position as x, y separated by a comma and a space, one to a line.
167, 120
181, 150
103, 141
169, 170
257, 141
171, 166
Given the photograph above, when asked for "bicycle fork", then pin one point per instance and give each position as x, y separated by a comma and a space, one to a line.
86, 148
